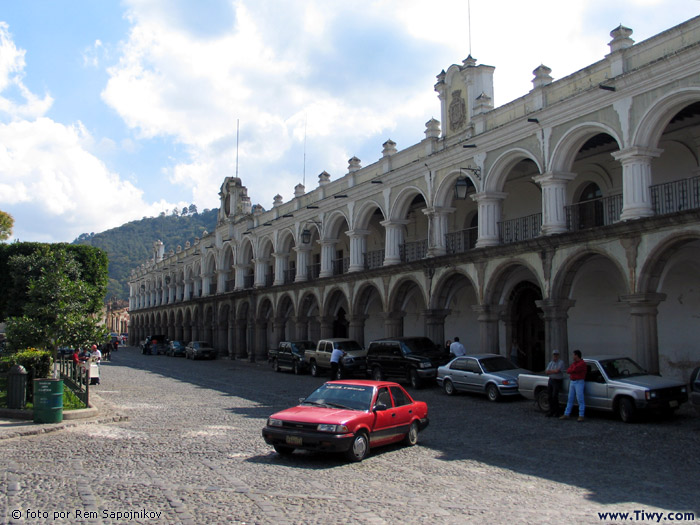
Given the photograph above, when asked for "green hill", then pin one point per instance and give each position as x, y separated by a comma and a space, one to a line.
131, 244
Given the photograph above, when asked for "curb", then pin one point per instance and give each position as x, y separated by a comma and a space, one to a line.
98, 413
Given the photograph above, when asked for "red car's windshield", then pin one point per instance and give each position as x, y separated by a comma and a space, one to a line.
354, 397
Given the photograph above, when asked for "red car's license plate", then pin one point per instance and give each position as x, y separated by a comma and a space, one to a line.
293, 440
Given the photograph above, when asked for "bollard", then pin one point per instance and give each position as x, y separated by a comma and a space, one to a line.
17, 387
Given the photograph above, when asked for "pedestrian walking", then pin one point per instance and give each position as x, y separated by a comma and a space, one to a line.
555, 372
577, 375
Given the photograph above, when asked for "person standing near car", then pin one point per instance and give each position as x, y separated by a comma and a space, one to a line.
95, 354
457, 349
577, 374
336, 355
555, 372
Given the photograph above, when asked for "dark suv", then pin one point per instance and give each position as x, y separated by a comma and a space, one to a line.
414, 359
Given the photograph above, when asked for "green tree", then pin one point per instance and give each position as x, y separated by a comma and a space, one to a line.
6, 224
60, 305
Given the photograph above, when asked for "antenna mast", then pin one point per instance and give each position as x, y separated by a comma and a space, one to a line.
236, 148
304, 168
469, 23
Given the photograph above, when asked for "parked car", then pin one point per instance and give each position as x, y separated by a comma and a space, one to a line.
353, 362
199, 350
415, 359
290, 356
348, 417
175, 349
148, 348
614, 383
695, 389
489, 374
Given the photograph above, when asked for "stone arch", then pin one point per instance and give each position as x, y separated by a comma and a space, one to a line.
336, 313
407, 302
567, 149
403, 200
308, 313
368, 313
656, 118
285, 317
495, 180
364, 213
669, 283
455, 295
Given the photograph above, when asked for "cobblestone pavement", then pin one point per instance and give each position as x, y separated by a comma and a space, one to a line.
191, 451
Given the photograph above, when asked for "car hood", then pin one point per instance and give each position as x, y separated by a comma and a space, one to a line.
312, 414
509, 374
652, 382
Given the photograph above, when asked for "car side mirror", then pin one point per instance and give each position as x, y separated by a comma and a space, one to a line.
301, 400
379, 407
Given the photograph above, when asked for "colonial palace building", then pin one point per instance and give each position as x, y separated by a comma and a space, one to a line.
567, 218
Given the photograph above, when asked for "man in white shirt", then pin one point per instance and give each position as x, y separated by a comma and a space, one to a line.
457, 349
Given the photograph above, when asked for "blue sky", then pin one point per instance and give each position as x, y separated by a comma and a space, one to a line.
115, 110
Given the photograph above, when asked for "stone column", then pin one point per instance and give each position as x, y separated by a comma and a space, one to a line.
489, 216
326, 325
327, 252
186, 297
556, 333
281, 260
554, 201
435, 325
394, 238
358, 248
206, 283
636, 179
240, 270
221, 281
278, 332
393, 324
251, 339
300, 328
437, 230
644, 310
231, 338
488, 317
302, 263
356, 328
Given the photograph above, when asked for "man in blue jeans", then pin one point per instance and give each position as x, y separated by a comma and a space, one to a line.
577, 375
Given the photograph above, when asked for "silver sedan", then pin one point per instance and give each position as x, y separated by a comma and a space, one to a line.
489, 374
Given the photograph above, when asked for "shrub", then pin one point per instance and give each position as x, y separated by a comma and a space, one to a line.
37, 363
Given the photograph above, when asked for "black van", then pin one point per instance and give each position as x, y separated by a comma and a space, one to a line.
414, 359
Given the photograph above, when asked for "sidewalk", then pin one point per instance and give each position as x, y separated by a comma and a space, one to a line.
100, 412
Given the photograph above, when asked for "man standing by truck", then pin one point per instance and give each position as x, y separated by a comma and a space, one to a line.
577, 375
555, 372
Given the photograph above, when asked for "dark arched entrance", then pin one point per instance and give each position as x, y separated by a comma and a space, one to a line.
528, 325
340, 324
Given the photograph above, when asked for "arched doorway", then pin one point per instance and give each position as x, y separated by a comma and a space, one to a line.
528, 325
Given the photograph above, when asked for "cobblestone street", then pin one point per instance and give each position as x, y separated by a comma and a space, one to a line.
191, 451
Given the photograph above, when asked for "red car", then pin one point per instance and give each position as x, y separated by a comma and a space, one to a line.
348, 416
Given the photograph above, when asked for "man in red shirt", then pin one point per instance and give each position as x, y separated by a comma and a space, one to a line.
577, 374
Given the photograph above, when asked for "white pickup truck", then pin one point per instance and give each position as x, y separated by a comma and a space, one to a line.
613, 383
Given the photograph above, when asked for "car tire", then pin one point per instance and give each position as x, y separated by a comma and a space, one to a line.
492, 392
412, 436
449, 387
377, 374
414, 379
359, 448
315, 372
282, 450
626, 409
542, 400
275, 366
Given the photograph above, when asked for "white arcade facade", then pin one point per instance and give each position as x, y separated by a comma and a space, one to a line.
567, 218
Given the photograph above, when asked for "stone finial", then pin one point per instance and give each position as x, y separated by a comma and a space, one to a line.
299, 190
389, 148
187, 245
354, 164
205, 233
196, 241
179, 248
621, 38
441, 76
258, 209
542, 76
324, 178
278, 201
482, 104
470, 61
432, 129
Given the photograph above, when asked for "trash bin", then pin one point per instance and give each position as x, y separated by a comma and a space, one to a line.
17, 387
48, 400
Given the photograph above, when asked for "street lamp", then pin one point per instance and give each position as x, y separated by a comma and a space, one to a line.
464, 186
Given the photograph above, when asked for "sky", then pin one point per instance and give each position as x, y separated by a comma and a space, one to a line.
114, 110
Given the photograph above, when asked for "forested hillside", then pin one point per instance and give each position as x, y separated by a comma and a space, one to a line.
131, 244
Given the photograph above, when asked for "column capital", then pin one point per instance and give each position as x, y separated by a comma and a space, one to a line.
488, 196
636, 152
642, 303
552, 177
